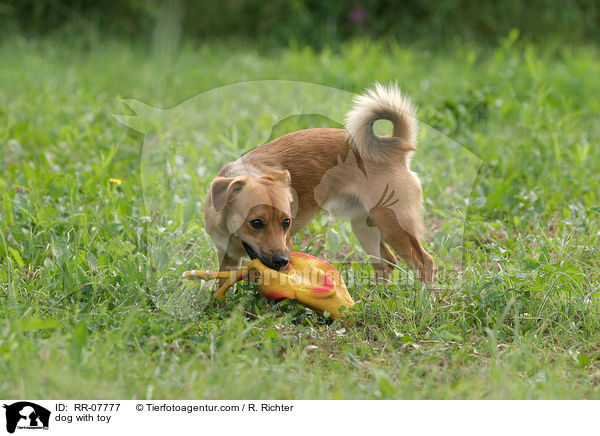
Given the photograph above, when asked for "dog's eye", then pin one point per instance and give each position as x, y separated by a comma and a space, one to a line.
257, 224
286, 223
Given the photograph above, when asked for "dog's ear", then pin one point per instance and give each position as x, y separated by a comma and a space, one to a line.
223, 189
279, 176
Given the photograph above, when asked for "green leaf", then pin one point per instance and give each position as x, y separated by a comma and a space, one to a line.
385, 387
78, 340
583, 360
529, 263
30, 324
406, 339
333, 241
179, 332
270, 333
16, 256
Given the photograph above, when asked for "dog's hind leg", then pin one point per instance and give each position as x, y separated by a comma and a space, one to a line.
370, 239
404, 242
388, 255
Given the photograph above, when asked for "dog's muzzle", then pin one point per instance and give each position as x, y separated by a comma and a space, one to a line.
276, 261
279, 262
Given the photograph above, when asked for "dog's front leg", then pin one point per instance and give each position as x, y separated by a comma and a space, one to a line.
228, 262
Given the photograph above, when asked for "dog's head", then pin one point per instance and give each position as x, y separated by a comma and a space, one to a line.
258, 212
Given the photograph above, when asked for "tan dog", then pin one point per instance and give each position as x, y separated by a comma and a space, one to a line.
257, 202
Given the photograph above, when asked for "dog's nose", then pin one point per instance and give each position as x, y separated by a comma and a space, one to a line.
280, 261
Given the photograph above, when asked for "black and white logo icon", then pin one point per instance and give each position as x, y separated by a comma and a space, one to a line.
26, 415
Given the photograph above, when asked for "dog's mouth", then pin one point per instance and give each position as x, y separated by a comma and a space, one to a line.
251, 253
266, 261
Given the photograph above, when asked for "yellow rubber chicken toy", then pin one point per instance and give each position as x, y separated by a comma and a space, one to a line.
314, 282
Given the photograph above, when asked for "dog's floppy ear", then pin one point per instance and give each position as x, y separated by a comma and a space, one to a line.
279, 176
223, 189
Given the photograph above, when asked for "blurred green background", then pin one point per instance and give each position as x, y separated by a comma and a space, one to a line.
311, 21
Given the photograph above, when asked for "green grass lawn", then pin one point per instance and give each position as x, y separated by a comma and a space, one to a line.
90, 298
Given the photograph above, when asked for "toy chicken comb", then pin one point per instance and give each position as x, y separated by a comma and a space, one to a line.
314, 282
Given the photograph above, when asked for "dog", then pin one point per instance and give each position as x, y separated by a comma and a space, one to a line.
257, 202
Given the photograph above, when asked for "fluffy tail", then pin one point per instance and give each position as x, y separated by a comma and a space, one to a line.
382, 103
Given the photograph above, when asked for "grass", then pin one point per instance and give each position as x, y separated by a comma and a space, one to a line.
90, 301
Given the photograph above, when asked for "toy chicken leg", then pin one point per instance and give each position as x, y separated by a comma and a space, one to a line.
235, 276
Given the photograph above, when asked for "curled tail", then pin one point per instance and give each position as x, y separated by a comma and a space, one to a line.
382, 103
